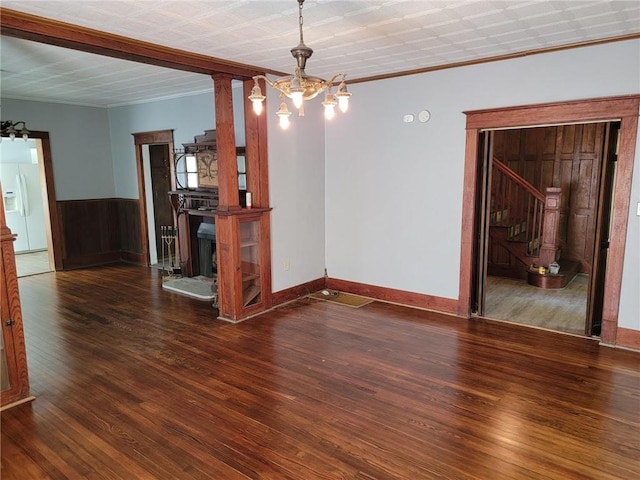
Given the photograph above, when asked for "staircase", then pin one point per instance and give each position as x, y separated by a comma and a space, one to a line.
524, 231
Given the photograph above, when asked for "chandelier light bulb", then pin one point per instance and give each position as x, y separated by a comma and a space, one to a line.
297, 99
329, 112
256, 97
343, 97
329, 105
257, 106
283, 114
296, 91
284, 122
343, 104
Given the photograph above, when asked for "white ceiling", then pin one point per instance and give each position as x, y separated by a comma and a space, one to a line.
362, 38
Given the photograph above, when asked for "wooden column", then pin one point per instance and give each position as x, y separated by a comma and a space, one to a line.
256, 149
242, 235
226, 144
550, 225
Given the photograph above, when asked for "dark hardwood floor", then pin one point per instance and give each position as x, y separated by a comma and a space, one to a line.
132, 382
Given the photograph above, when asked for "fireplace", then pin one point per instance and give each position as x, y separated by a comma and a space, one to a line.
206, 235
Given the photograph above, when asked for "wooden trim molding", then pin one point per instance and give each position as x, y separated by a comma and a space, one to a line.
497, 58
39, 29
154, 137
297, 291
575, 111
52, 221
625, 109
150, 138
390, 295
411, 299
468, 224
628, 338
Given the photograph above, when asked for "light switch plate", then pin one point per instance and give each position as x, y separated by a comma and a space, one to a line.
638, 210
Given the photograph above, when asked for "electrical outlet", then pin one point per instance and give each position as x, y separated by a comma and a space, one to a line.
286, 265
638, 209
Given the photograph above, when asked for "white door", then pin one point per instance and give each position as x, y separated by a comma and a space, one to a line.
34, 214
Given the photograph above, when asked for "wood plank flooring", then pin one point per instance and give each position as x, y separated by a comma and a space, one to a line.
132, 382
562, 309
32, 263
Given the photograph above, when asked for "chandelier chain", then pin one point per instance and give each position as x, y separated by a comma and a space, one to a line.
300, 19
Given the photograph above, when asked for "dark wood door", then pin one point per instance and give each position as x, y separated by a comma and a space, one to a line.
577, 171
481, 225
603, 231
161, 185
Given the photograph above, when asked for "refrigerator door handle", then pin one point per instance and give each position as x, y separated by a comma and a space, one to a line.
23, 194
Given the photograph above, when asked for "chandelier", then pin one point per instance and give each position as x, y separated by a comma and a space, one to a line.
10, 129
300, 86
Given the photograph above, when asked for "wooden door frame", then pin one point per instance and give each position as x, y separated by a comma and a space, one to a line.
157, 137
623, 108
53, 226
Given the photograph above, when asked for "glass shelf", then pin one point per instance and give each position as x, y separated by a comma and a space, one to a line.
250, 262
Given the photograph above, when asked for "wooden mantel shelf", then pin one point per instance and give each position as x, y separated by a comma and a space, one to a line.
194, 202
205, 203
242, 211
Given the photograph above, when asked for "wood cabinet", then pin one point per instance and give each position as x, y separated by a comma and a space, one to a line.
244, 255
14, 377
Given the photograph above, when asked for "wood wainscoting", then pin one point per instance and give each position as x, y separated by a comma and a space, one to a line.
100, 231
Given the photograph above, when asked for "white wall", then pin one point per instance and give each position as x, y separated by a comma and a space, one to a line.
373, 199
187, 116
82, 166
394, 189
296, 193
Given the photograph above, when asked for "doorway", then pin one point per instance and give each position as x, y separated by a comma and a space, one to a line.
578, 159
623, 109
159, 212
26, 202
156, 178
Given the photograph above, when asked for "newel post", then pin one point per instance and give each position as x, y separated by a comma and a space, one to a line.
550, 226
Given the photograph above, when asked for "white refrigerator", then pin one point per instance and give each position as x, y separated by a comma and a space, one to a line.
23, 208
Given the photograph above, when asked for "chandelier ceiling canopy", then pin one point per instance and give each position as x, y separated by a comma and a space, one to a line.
300, 87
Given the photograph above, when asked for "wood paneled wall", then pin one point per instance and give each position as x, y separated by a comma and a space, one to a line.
566, 156
99, 231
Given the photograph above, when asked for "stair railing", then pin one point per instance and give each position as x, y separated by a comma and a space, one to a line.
520, 206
